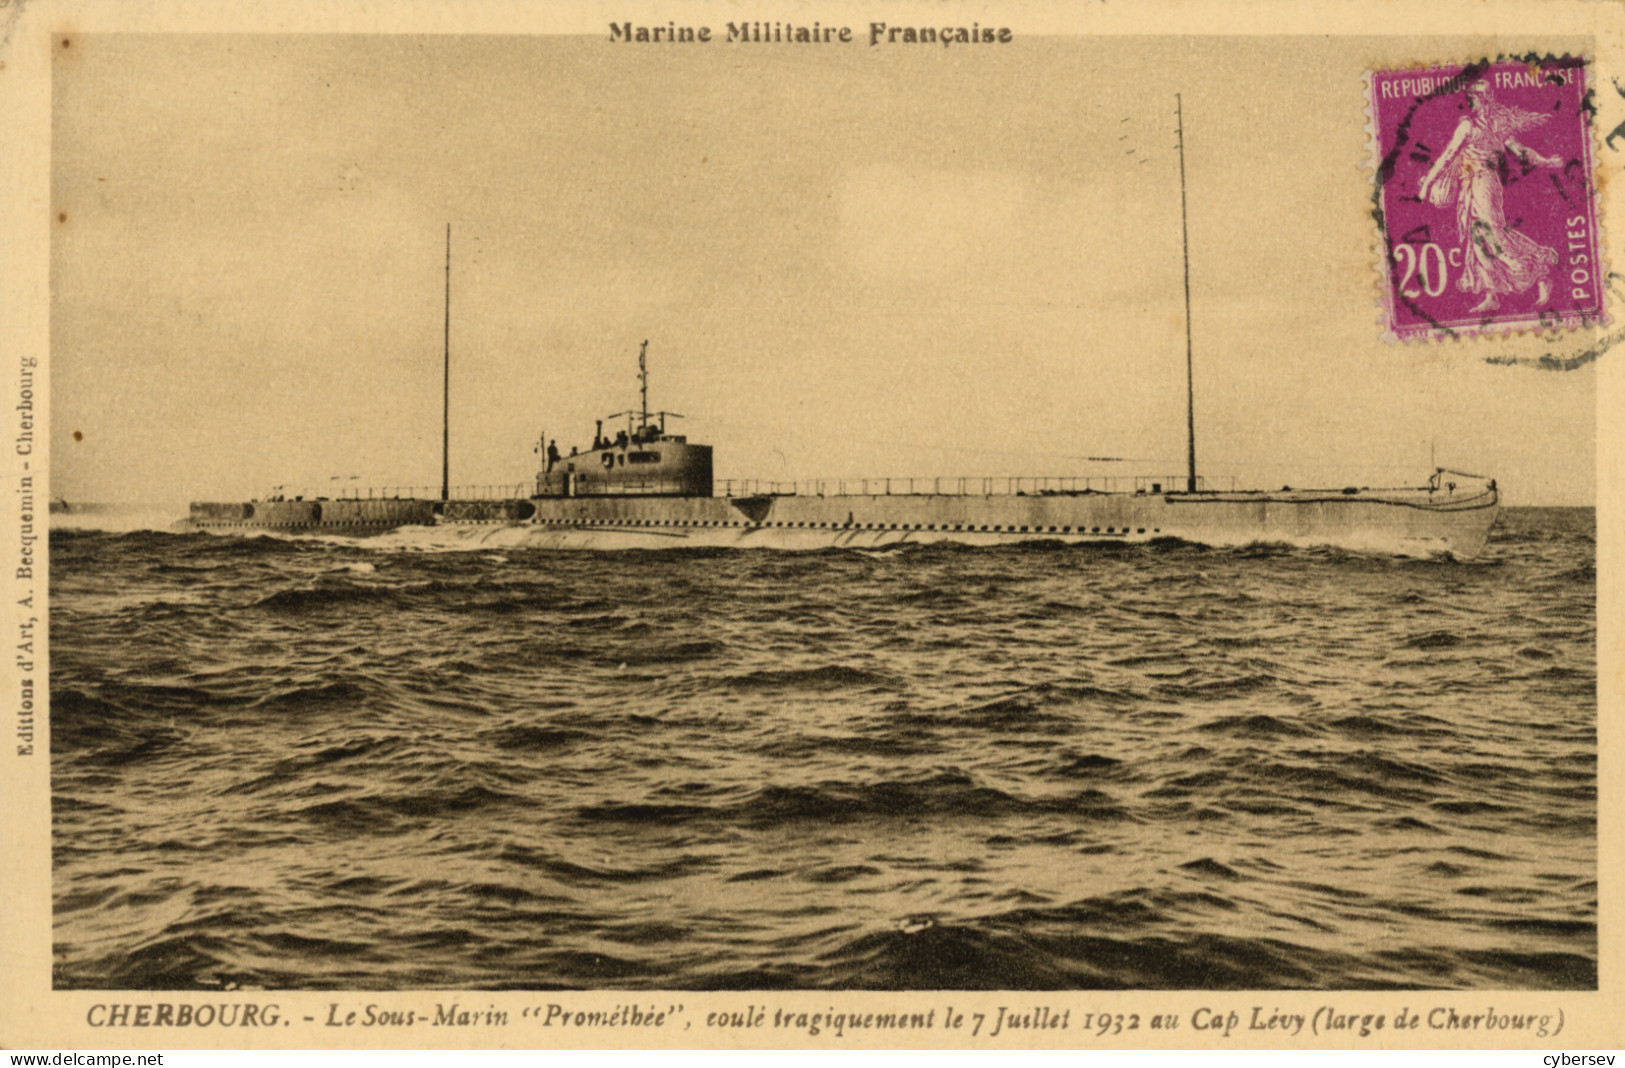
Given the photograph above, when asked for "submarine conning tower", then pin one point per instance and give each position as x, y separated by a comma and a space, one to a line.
640, 461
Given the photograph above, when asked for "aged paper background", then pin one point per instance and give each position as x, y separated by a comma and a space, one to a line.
1284, 211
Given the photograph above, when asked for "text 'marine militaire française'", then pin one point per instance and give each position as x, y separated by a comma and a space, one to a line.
814, 33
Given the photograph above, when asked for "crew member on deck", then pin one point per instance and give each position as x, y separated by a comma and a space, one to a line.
552, 454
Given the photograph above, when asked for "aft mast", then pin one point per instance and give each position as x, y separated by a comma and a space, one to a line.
1185, 241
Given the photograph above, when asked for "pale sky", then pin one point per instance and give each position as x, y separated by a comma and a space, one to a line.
847, 261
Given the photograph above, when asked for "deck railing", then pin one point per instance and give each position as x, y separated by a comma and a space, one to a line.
486, 492
971, 486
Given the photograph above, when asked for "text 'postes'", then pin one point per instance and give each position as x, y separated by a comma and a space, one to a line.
808, 33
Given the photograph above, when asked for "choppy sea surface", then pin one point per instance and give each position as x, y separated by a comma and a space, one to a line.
324, 764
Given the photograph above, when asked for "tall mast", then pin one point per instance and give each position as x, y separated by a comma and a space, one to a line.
1185, 240
445, 391
643, 375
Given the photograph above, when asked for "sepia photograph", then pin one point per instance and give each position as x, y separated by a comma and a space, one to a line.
785, 501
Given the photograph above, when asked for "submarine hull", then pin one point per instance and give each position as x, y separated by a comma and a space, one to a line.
346, 518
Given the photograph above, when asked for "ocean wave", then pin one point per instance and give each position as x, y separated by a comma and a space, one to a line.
826, 677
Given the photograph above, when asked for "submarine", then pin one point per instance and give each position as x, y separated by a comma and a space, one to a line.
649, 488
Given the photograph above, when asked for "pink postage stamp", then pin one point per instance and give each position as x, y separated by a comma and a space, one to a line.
1485, 197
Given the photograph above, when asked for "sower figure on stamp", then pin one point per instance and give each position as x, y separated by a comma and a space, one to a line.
1496, 259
